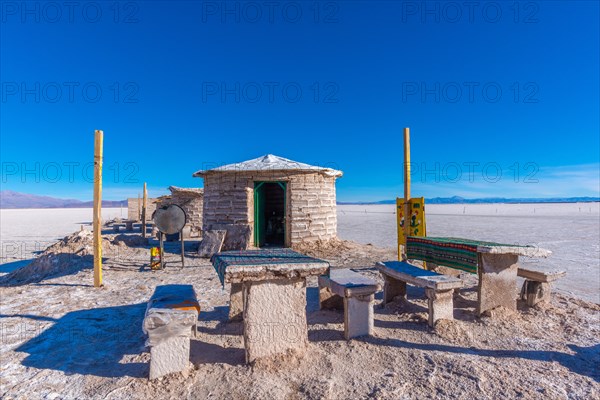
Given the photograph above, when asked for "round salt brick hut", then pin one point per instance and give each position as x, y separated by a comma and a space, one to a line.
270, 201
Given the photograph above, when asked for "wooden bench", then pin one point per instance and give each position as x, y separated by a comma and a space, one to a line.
536, 287
438, 288
357, 292
170, 320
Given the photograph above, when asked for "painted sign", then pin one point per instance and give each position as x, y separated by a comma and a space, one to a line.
416, 219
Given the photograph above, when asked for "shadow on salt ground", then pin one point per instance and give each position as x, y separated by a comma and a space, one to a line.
61, 264
418, 326
326, 335
316, 316
63, 284
418, 316
220, 314
210, 353
29, 316
190, 246
460, 301
312, 298
11, 266
90, 342
583, 362
132, 265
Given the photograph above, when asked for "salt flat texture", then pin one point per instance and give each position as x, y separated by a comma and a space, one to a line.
64, 339
570, 230
26, 231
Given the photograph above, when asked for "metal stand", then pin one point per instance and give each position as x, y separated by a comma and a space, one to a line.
162, 250
182, 249
169, 220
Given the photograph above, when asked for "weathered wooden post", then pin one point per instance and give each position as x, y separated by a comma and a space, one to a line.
144, 211
139, 208
97, 224
407, 210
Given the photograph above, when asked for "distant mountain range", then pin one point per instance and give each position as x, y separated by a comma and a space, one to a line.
462, 200
10, 199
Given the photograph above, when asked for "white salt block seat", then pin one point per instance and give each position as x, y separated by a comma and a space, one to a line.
171, 317
537, 286
357, 292
438, 288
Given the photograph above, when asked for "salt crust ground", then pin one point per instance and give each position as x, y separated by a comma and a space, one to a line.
62, 338
570, 230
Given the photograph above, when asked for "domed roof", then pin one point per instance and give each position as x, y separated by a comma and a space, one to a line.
269, 162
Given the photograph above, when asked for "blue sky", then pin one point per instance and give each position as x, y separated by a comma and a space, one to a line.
502, 98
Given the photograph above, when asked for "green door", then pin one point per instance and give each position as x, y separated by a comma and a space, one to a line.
269, 214
259, 212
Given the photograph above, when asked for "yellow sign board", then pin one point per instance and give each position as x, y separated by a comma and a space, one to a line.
416, 219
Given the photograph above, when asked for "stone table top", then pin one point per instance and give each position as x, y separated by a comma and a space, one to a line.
266, 264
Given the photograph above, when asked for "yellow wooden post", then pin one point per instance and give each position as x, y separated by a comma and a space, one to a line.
406, 164
97, 224
407, 209
144, 211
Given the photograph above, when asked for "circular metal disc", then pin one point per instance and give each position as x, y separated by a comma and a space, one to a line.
169, 219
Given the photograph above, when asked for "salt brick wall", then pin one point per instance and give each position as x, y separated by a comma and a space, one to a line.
311, 202
132, 208
192, 205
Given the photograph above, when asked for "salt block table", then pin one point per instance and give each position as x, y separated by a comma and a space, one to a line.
270, 287
495, 263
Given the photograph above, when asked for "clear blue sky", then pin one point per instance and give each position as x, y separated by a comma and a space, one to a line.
502, 100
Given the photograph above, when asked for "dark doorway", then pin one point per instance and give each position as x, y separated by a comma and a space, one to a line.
269, 214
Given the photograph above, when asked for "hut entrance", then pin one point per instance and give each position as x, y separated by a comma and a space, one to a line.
269, 214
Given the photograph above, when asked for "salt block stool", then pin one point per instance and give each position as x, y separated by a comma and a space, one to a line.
356, 292
129, 225
170, 320
536, 287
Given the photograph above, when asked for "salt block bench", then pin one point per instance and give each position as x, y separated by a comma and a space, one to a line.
438, 288
536, 287
170, 320
358, 294
117, 227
